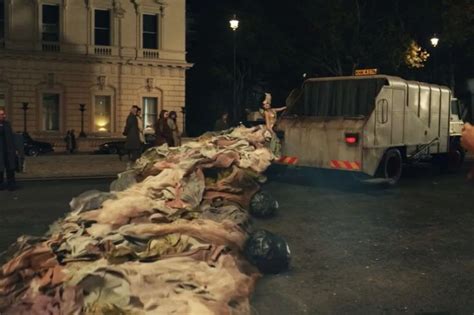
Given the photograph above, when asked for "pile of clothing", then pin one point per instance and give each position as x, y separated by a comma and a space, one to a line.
167, 239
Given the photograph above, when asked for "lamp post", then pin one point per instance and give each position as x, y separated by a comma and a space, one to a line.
25, 108
234, 25
434, 42
82, 134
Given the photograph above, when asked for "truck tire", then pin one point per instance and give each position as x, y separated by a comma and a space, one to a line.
391, 166
456, 158
451, 161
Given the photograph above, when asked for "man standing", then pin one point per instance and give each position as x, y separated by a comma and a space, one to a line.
222, 123
7, 153
132, 132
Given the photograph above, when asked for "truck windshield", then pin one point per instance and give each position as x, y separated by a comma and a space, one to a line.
331, 98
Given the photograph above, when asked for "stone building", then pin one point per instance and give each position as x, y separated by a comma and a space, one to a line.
105, 54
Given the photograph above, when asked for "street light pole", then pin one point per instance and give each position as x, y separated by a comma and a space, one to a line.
82, 134
25, 108
234, 25
434, 42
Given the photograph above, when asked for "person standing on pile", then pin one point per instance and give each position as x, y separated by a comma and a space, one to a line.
7, 153
132, 132
269, 113
173, 124
163, 133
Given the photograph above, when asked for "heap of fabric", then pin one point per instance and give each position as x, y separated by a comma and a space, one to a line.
167, 239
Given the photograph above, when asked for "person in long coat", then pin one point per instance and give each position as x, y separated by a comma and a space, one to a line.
7, 153
173, 124
163, 132
132, 132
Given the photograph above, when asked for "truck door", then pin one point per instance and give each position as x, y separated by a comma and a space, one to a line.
383, 118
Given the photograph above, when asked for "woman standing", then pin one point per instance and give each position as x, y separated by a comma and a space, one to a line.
140, 126
163, 131
172, 123
270, 114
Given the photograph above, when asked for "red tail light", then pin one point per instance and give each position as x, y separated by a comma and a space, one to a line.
352, 138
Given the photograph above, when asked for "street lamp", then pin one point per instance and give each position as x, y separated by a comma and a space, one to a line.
434, 40
234, 25
25, 108
82, 134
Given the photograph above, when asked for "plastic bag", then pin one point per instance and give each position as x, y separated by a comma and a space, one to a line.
269, 252
263, 205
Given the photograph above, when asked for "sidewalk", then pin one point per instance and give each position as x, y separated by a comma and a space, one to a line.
63, 166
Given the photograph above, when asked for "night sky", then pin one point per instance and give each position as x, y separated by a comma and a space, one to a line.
277, 41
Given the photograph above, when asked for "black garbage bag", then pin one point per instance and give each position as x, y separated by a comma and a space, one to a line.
269, 252
263, 205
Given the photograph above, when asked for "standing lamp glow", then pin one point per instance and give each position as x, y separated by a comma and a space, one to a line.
234, 25
434, 40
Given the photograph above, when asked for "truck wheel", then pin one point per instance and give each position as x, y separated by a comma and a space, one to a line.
451, 161
392, 164
456, 158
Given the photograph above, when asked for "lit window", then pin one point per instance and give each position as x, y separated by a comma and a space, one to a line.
150, 31
102, 28
150, 108
2, 20
102, 110
50, 23
50, 112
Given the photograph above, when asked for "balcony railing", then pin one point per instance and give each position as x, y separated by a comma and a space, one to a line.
103, 51
50, 47
151, 54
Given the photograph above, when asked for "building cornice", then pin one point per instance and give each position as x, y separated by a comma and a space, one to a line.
44, 57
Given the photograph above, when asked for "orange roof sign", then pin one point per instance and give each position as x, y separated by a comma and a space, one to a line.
361, 72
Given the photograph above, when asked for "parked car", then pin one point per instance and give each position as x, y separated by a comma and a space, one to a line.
33, 147
113, 147
117, 147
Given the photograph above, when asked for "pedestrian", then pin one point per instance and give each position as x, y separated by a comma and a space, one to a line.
173, 124
222, 123
7, 153
140, 128
163, 133
70, 141
132, 132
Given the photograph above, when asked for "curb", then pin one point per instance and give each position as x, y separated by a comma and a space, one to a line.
33, 179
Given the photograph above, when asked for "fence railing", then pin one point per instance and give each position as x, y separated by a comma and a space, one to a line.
50, 47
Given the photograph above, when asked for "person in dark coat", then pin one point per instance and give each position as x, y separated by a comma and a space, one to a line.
163, 132
70, 141
222, 123
7, 153
132, 132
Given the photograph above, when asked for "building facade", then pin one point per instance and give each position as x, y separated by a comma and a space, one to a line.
105, 54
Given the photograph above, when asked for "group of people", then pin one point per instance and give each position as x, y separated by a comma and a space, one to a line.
165, 131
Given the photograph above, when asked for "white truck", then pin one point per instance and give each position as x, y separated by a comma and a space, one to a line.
371, 124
